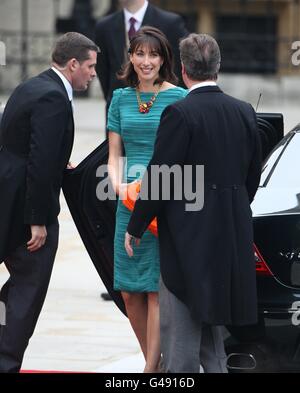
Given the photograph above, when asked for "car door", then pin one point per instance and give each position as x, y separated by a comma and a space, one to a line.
94, 219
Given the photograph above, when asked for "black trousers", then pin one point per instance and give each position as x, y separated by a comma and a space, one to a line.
23, 296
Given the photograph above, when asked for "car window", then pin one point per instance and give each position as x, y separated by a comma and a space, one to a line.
269, 164
279, 168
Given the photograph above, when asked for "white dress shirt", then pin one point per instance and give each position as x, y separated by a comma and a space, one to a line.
66, 83
202, 84
138, 16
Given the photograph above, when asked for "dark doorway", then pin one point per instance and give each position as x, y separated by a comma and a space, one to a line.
248, 43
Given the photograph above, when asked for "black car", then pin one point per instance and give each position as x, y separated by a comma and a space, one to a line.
272, 344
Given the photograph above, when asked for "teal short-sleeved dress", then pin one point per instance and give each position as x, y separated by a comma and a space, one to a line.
138, 131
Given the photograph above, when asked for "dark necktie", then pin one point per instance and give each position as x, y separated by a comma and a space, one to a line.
131, 31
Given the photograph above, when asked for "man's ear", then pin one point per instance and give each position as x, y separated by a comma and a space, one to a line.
72, 64
183, 71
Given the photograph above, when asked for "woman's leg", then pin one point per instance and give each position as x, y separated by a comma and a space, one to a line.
137, 312
153, 334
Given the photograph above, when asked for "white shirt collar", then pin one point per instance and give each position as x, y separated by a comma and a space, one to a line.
138, 16
202, 84
66, 83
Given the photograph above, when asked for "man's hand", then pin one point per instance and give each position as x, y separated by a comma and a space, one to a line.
38, 237
123, 189
128, 243
71, 165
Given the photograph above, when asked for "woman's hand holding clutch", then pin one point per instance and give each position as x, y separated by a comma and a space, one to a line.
129, 196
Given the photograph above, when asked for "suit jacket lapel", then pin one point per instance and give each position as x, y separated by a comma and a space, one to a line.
57, 79
148, 18
118, 33
71, 137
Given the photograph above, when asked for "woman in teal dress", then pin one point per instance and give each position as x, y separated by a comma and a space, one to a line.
133, 120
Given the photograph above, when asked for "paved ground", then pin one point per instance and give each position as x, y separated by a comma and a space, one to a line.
77, 330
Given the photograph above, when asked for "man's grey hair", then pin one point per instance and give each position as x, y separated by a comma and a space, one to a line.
200, 54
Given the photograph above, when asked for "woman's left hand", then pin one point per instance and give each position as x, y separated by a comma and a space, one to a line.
129, 241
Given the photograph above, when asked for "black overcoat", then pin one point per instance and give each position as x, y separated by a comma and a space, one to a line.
207, 257
36, 139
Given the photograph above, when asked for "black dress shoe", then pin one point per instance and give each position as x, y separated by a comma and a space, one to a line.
106, 296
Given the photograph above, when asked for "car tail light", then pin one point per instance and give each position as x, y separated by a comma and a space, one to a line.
261, 266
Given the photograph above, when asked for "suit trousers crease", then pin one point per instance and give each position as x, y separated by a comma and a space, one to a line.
23, 295
185, 344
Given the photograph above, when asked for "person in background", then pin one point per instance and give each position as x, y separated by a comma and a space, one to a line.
36, 139
133, 120
206, 251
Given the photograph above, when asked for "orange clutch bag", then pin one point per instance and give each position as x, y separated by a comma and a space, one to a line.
132, 192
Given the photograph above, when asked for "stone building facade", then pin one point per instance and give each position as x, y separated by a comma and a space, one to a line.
249, 31
259, 39
28, 29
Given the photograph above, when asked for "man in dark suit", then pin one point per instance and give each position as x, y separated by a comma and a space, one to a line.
207, 259
114, 31
36, 140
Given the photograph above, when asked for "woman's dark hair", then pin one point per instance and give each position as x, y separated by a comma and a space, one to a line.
158, 42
